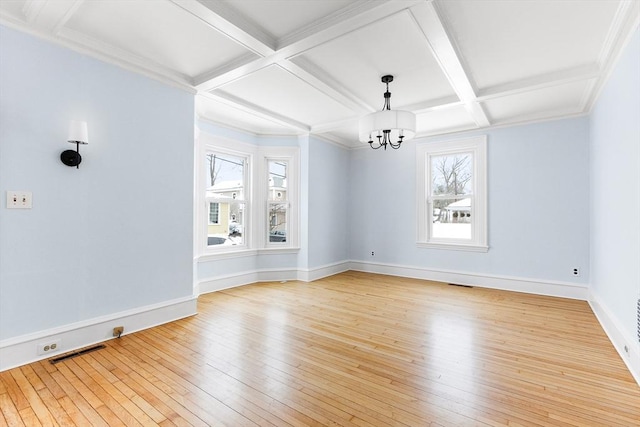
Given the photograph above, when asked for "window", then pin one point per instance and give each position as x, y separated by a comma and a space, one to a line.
452, 201
224, 192
277, 201
247, 198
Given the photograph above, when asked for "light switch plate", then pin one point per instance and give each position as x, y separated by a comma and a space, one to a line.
19, 200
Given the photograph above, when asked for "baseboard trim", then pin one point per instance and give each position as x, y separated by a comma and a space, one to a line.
507, 283
617, 336
220, 283
22, 350
309, 275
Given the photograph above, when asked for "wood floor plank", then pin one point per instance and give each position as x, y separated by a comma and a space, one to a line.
36, 405
354, 349
9, 411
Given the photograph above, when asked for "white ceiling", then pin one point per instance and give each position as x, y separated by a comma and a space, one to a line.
291, 67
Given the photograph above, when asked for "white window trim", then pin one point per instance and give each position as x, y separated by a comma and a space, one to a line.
476, 145
291, 155
206, 144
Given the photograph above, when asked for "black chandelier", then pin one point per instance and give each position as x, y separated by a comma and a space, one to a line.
388, 127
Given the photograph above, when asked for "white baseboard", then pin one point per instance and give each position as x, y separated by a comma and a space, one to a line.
219, 283
516, 284
618, 337
21, 350
327, 270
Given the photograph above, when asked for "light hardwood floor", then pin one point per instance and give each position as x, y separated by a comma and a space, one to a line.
353, 349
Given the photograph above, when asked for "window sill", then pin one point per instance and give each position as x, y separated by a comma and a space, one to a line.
242, 253
214, 256
275, 250
453, 246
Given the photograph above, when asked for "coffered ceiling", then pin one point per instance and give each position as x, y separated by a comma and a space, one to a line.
291, 67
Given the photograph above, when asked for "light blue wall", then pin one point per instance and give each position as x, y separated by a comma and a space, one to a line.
538, 209
615, 191
328, 200
113, 235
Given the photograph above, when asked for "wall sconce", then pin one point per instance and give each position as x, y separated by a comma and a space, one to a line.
78, 134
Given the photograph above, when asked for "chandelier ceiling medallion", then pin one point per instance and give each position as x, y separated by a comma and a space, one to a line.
388, 127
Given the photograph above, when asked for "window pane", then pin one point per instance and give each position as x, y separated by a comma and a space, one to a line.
214, 213
451, 219
452, 174
225, 176
230, 227
277, 222
277, 180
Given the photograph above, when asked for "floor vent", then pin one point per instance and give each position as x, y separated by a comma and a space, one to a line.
77, 353
462, 286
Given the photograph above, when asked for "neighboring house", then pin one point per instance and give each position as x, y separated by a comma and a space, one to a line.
459, 211
223, 212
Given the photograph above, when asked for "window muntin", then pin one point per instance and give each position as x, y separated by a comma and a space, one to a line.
452, 194
226, 189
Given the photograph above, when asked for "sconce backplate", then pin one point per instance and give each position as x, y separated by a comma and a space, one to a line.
70, 158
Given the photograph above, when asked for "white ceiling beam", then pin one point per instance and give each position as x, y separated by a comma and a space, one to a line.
227, 22
351, 15
227, 67
346, 24
211, 82
626, 19
432, 26
242, 105
340, 26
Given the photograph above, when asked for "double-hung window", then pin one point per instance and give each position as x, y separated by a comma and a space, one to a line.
280, 183
452, 194
226, 198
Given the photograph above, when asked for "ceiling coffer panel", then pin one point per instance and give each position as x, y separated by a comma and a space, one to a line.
275, 89
440, 120
506, 41
544, 103
159, 31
